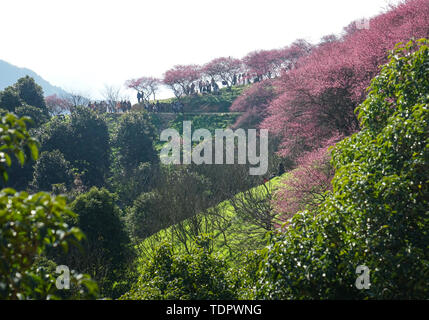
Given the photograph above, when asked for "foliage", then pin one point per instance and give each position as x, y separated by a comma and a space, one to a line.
30, 225
128, 185
145, 217
246, 273
199, 275
9, 99
37, 115
180, 194
105, 247
15, 140
24, 92
30, 92
51, 168
377, 214
83, 139
134, 140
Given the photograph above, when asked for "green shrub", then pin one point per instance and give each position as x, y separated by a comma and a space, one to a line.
199, 275
106, 252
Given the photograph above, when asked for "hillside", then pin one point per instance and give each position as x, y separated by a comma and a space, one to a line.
205, 103
322, 193
9, 74
230, 231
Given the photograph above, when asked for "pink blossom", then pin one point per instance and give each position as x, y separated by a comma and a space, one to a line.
146, 85
317, 98
180, 77
223, 69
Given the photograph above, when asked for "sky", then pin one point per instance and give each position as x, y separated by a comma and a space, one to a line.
83, 45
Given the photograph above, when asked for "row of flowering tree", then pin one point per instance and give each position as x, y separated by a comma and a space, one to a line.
254, 67
314, 102
316, 95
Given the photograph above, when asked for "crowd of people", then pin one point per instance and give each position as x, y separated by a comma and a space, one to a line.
212, 87
204, 87
175, 107
110, 106
125, 106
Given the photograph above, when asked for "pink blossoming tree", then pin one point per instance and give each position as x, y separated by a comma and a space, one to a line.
57, 105
318, 97
147, 86
253, 102
223, 69
181, 77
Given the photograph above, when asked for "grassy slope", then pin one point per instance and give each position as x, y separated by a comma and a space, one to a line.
237, 232
208, 102
199, 121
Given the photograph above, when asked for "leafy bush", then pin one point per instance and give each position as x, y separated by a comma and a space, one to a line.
377, 214
9, 99
105, 248
31, 93
15, 140
146, 217
199, 275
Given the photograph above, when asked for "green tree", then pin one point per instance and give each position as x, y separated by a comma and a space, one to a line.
106, 252
134, 140
51, 168
9, 99
37, 115
17, 174
24, 98
134, 159
131, 183
24, 92
30, 225
83, 139
147, 216
31, 93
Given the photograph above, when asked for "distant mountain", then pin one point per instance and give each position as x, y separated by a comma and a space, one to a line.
9, 74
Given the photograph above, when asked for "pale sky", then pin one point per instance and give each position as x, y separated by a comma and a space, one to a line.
81, 45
